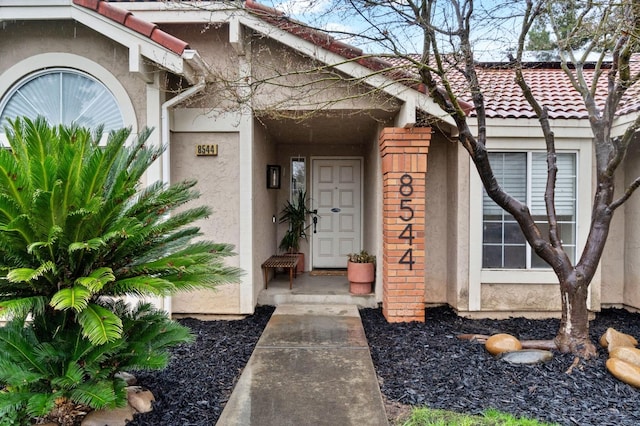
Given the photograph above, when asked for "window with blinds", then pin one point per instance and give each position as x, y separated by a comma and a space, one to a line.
62, 96
524, 176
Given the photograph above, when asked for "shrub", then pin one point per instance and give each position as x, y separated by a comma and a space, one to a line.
77, 233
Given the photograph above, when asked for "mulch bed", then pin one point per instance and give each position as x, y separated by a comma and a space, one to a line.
417, 364
425, 364
194, 388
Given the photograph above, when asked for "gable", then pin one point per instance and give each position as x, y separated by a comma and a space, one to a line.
145, 42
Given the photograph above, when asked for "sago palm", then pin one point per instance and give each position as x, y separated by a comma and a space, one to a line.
77, 231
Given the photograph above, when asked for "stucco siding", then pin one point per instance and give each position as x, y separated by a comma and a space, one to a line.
212, 44
264, 207
611, 290
631, 292
218, 183
437, 223
458, 169
520, 297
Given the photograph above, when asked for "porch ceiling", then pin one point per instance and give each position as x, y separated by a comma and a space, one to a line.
349, 128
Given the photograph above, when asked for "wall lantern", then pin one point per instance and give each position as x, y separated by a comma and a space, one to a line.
273, 177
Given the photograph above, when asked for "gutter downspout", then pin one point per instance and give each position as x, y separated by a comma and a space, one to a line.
193, 59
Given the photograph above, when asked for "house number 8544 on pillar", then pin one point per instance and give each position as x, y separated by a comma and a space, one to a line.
406, 216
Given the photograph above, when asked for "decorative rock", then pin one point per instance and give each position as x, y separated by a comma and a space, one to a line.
113, 417
612, 339
527, 356
623, 371
140, 399
626, 354
502, 342
130, 379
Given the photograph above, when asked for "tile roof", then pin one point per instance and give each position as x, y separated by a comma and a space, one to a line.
129, 20
550, 86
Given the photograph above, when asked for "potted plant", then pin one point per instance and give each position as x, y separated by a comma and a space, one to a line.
361, 272
295, 216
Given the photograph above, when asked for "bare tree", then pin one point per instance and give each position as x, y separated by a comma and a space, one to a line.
448, 53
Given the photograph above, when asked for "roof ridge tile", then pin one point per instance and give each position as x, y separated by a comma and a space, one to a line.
138, 25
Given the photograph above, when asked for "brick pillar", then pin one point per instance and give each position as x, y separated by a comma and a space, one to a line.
404, 167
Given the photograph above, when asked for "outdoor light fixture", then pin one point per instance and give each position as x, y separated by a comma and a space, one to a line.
273, 177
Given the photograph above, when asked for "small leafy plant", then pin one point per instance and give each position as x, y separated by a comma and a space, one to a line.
77, 234
362, 257
295, 216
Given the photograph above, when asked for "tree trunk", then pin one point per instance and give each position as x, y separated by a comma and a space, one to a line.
573, 335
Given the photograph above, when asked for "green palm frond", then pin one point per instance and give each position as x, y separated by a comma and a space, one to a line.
72, 377
22, 229
16, 345
143, 284
53, 234
29, 274
92, 244
41, 404
76, 298
12, 405
98, 165
16, 375
96, 394
21, 307
99, 325
97, 279
9, 209
149, 333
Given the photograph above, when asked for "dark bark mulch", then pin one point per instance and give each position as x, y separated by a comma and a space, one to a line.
417, 364
425, 364
194, 388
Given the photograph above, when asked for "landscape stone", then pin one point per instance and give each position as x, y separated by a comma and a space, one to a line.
140, 399
625, 372
499, 343
129, 378
612, 338
112, 417
527, 356
627, 354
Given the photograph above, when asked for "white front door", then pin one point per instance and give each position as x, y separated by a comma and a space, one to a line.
336, 194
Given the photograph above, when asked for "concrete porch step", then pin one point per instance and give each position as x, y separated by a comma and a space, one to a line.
313, 289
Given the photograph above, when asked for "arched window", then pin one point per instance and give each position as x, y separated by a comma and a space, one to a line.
62, 96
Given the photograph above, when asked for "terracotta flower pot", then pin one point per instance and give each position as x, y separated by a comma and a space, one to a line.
360, 276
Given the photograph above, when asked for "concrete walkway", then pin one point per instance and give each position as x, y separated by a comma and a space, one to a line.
311, 366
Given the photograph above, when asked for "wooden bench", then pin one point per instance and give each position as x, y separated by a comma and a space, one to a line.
287, 261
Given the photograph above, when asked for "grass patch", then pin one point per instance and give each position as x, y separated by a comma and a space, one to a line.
428, 417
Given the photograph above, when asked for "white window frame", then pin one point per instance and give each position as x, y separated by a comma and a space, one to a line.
479, 276
528, 168
18, 71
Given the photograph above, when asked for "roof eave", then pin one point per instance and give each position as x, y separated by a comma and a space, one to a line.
139, 45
